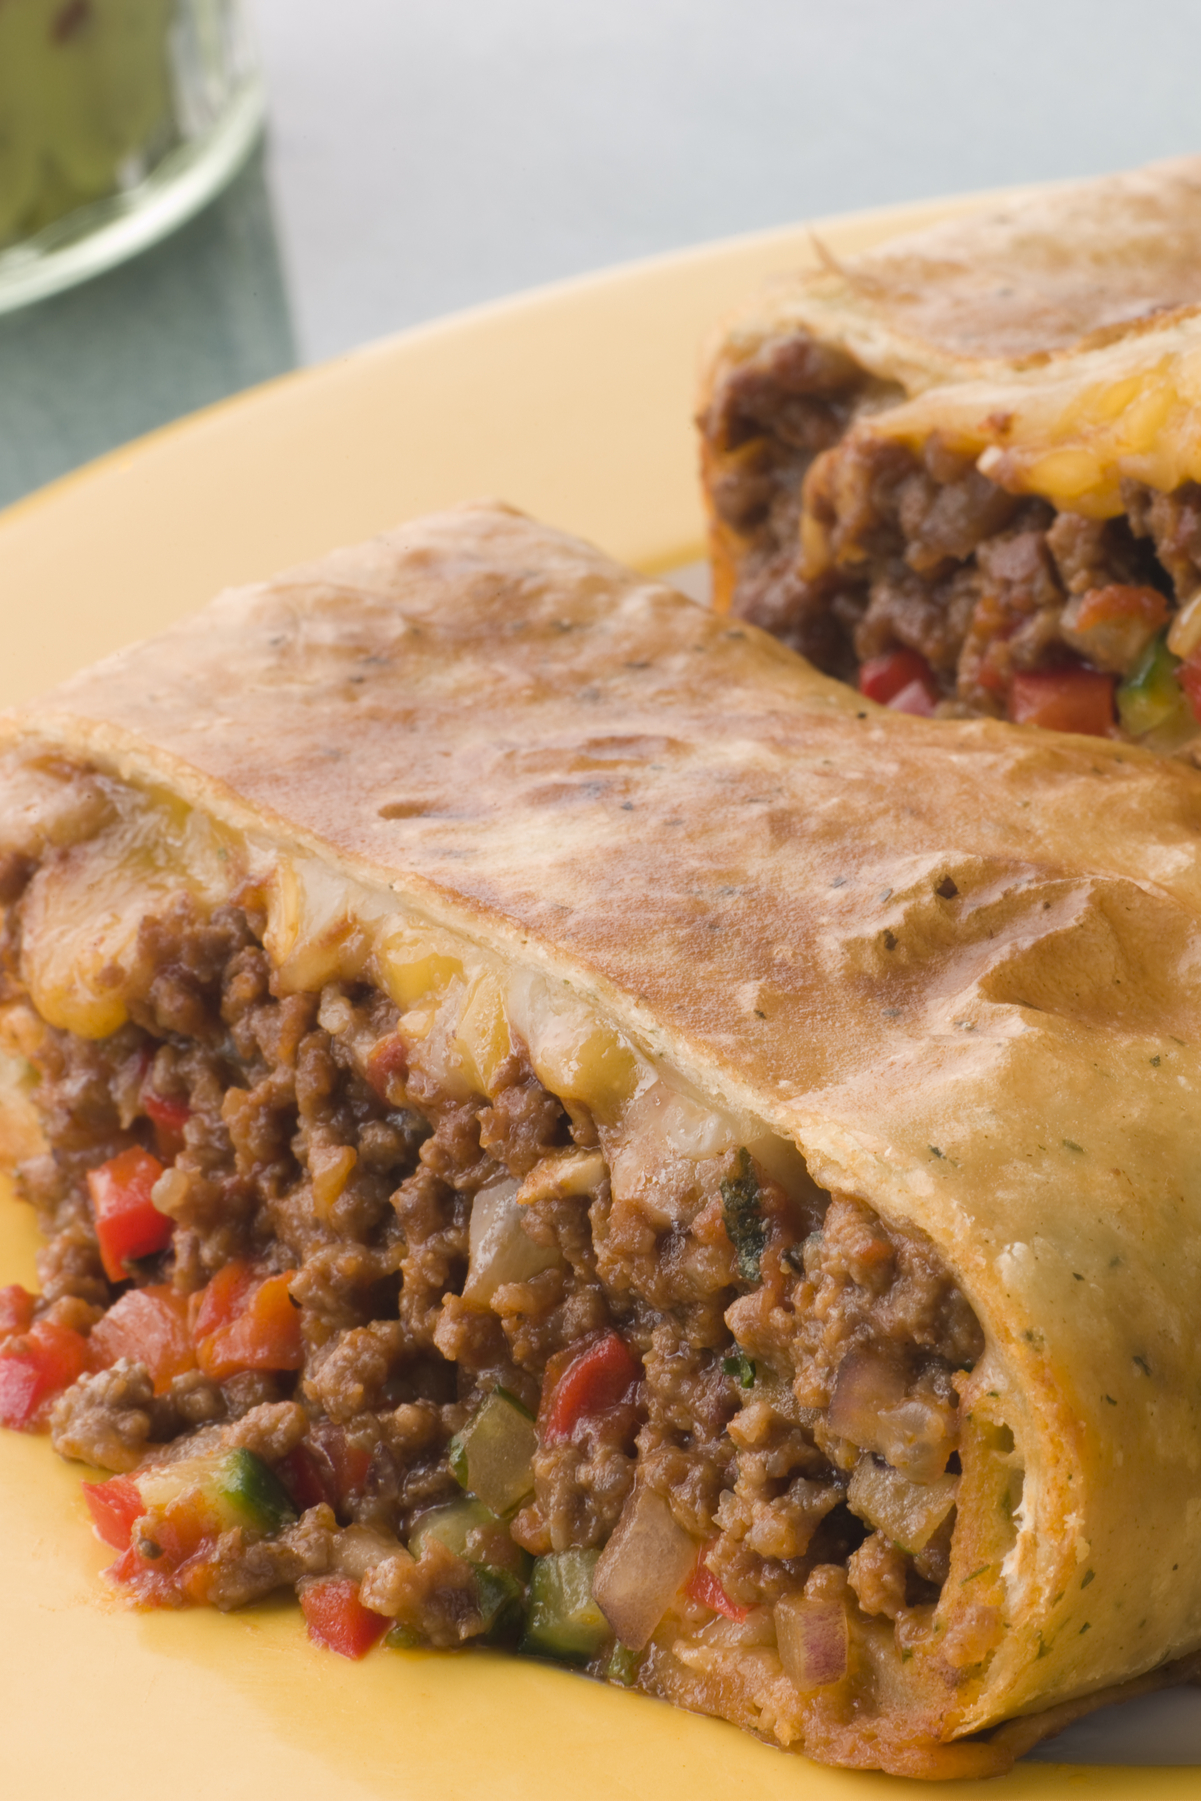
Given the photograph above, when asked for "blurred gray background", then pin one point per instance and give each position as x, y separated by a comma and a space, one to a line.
426, 155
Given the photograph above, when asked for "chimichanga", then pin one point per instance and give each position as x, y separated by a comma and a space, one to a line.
560, 1127
963, 468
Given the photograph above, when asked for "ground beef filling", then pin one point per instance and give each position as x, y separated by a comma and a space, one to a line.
781, 1354
928, 554
769, 419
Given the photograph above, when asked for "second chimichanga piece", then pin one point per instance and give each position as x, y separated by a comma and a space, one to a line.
963, 469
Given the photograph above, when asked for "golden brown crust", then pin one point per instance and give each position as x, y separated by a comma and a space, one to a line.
1060, 268
1038, 275
726, 546
1055, 336
959, 963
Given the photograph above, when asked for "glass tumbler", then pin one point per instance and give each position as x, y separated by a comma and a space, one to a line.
118, 120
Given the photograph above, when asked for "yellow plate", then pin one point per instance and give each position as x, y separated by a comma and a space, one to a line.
575, 403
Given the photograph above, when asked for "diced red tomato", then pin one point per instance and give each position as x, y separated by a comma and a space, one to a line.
337, 1618
36, 1367
992, 672
1118, 600
21, 1389
169, 1117
172, 1115
129, 1566
221, 1301
326, 1467
128, 1224
16, 1309
114, 1506
307, 1479
387, 1067
913, 698
351, 1462
159, 1581
594, 1380
703, 1587
1063, 700
62, 1352
885, 677
263, 1334
151, 1326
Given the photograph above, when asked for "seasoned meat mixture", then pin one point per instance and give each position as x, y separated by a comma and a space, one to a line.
934, 588
313, 1339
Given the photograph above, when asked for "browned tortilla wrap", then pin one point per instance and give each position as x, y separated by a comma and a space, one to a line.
967, 985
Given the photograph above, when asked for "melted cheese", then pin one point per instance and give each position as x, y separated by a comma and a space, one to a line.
1072, 429
463, 1009
83, 909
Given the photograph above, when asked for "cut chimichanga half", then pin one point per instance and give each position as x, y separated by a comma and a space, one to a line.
963, 469
559, 1127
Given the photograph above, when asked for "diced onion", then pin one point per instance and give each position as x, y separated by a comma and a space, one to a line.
564, 1173
865, 1385
330, 1168
909, 1513
318, 925
869, 1406
1185, 633
481, 1039
82, 910
358, 1549
683, 1125
813, 1638
916, 1437
335, 1014
641, 1568
429, 1032
80, 918
500, 1248
575, 1054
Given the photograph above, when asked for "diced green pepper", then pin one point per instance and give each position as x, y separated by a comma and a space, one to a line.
229, 1488
744, 1221
1151, 700
245, 1485
623, 1665
501, 1593
403, 1638
741, 1367
451, 1524
492, 1457
562, 1619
